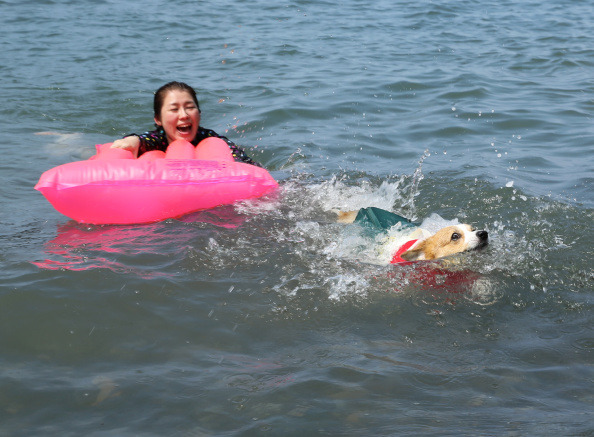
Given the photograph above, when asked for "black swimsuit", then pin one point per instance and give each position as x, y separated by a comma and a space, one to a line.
157, 140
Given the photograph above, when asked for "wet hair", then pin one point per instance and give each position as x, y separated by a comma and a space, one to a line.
162, 92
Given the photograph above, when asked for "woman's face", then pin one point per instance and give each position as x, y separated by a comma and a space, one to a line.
179, 117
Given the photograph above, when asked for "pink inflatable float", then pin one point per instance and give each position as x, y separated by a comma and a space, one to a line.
113, 187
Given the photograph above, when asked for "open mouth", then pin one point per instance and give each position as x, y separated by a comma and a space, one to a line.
184, 129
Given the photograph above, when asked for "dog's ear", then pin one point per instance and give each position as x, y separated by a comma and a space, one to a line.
413, 255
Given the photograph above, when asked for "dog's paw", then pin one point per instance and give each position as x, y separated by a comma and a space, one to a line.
345, 216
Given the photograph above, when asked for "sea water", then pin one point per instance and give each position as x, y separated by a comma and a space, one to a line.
268, 317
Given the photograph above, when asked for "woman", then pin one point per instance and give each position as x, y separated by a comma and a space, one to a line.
177, 117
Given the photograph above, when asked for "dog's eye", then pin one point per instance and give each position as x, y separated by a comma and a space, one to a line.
472, 229
455, 236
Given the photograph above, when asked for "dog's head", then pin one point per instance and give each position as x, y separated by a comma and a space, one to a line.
447, 241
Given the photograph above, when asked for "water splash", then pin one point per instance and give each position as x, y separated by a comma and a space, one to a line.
527, 242
416, 179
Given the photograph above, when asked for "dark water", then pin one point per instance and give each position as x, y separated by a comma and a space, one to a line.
267, 318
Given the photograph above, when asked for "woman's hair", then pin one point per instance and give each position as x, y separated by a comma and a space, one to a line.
162, 92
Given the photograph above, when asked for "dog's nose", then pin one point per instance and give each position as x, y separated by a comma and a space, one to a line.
483, 235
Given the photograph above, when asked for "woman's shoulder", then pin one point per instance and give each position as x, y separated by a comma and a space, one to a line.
206, 133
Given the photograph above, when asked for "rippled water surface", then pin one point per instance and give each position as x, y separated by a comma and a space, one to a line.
267, 317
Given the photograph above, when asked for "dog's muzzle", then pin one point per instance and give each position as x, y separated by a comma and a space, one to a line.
483, 237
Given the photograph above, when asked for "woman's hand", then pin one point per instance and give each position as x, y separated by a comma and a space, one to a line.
129, 143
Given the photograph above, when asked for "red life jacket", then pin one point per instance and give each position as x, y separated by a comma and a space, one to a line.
397, 259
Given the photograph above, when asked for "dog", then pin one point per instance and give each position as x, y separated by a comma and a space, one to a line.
419, 244
445, 242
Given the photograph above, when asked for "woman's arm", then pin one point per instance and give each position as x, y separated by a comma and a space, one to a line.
131, 143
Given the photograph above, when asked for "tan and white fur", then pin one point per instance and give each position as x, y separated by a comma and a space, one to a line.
445, 242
